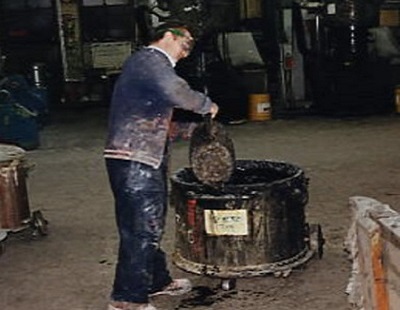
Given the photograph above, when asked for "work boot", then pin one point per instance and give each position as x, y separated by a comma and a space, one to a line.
175, 288
121, 305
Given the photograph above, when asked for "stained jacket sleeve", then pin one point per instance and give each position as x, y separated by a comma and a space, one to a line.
143, 100
178, 92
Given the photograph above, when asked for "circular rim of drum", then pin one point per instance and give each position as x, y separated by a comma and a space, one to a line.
10, 152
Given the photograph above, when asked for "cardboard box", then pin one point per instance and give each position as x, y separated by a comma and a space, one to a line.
389, 18
109, 56
250, 9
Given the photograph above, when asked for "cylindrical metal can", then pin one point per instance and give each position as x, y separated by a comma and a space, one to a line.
14, 205
38, 72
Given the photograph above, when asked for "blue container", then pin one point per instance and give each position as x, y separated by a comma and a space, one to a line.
18, 124
31, 97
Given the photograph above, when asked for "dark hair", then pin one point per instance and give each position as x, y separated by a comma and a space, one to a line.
158, 32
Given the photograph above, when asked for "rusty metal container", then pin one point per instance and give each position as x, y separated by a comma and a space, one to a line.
14, 204
252, 225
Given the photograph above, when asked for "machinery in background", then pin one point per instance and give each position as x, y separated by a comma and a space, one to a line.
315, 56
95, 39
29, 39
83, 43
343, 74
80, 43
230, 59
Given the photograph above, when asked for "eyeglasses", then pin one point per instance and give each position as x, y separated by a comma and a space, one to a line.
180, 33
187, 43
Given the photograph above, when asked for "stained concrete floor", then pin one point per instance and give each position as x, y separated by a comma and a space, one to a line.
72, 268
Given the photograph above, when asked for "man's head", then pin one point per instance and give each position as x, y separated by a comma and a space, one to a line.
173, 37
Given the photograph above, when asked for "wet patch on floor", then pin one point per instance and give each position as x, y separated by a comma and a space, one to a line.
205, 296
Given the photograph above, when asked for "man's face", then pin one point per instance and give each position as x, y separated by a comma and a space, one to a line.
184, 42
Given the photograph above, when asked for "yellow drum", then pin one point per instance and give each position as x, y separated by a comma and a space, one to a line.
259, 107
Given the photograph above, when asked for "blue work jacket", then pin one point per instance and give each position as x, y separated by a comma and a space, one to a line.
142, 104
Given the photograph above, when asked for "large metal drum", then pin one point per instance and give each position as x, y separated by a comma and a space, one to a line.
14, 205
253, 225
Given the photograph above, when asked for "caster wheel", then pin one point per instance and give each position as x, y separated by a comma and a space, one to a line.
39, 223
2, 247
3, 237
228, 284
317, 240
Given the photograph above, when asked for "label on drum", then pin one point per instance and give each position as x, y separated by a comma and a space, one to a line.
226, 222
263, 107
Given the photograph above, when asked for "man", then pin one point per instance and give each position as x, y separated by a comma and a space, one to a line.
136, 152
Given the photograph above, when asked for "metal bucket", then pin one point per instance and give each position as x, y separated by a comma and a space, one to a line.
14, 205
253, 225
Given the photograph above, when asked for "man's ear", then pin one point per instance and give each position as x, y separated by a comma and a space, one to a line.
168, 35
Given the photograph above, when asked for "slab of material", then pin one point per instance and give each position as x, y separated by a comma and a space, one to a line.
212, 154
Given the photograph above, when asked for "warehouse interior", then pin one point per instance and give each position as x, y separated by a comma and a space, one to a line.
310, 57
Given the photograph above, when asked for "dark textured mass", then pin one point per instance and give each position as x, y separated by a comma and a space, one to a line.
212, 155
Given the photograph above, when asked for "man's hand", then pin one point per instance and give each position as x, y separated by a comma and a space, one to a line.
214, 110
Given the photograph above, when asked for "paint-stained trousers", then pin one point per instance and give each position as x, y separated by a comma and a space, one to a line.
140, 194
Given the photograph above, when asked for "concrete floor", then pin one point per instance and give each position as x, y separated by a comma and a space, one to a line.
72, 268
